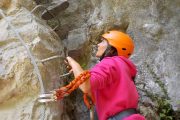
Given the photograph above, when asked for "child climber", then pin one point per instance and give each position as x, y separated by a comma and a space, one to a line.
111, 81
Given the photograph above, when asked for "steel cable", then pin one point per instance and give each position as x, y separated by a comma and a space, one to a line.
31, 57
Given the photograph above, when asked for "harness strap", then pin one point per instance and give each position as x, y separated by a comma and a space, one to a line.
121, 115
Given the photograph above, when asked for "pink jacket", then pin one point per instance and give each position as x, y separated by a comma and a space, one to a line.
112, 86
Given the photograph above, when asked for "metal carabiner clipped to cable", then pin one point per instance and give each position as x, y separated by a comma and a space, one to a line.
47, 97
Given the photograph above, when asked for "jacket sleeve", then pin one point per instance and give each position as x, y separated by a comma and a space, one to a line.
103, 74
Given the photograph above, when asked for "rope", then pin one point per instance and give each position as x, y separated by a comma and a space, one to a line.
29, 54
66, 90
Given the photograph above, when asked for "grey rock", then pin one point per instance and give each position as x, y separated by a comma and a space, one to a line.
154, 27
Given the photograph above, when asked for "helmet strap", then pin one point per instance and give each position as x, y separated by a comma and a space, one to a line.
109, 52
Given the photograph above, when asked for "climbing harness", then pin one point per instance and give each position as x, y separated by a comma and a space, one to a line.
60, 93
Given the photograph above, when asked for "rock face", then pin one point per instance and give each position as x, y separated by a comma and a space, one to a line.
20, 77
153, 25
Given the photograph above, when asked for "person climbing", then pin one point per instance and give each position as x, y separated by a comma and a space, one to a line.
111, 82
53, 8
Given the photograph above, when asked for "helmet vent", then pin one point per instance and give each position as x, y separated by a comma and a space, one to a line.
123, 48
129, 54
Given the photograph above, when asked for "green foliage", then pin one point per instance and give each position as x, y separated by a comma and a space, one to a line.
164, 109
163, 106
158, 81
84, 65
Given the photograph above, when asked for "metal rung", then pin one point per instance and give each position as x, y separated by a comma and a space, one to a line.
50, 58
46, 100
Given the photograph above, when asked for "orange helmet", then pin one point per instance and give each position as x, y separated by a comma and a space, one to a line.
121, 41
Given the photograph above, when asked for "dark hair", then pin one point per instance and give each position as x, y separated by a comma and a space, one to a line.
109, 52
